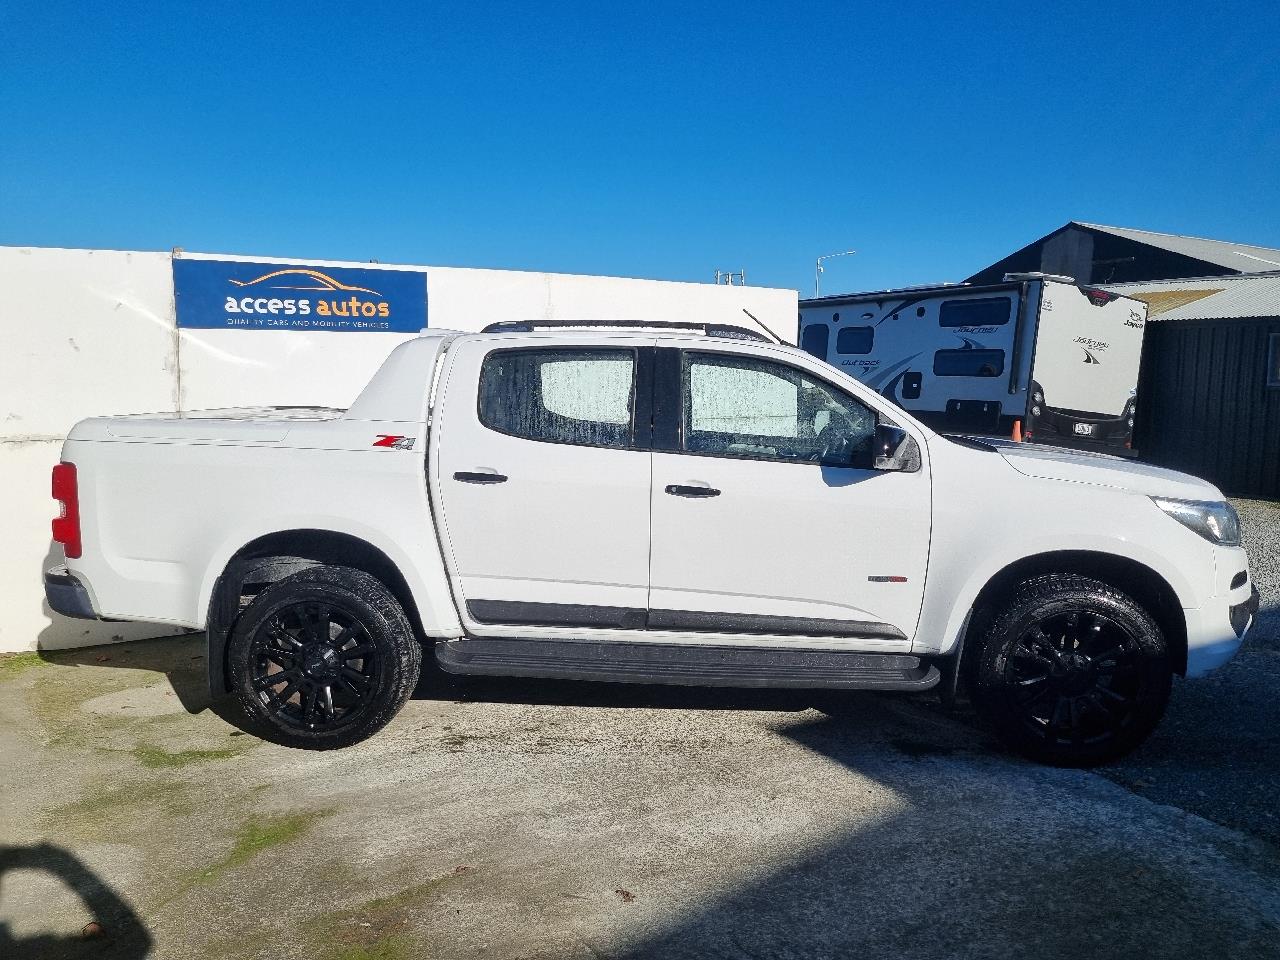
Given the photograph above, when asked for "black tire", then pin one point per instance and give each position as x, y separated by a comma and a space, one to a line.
1071, 671
342, 648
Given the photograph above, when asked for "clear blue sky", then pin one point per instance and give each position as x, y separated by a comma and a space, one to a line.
655, 140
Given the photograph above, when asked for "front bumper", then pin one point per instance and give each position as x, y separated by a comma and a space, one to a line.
1216, 630
67, 595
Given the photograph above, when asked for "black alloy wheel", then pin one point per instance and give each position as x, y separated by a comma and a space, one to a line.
1072, 671
323, 658
314, 665
1075, 677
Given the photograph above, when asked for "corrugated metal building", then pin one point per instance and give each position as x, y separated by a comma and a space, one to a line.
1209, 393
1099, 254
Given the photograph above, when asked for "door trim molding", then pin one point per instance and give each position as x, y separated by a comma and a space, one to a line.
758, 623
524, 613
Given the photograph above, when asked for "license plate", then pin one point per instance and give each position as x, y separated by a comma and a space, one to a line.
1084, 429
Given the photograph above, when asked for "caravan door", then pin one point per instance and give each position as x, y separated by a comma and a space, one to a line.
1084, 378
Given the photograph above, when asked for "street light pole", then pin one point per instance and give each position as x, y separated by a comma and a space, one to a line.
817, 268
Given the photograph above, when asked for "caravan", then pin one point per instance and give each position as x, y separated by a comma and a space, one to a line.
1038, 354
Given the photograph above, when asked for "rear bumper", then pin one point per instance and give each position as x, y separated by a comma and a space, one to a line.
1103, 434
67, 595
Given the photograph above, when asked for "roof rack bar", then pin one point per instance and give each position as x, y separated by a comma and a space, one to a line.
725, 330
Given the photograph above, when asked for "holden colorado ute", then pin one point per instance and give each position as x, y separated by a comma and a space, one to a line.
651, 503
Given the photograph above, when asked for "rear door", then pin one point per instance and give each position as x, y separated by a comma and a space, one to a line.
763, 524
1085, 373
541, 484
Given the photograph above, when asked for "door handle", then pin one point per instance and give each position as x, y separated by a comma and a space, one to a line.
690, 490
480, 476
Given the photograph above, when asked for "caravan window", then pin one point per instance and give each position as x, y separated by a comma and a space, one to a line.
855, 340
1273, 361
968, 363
815, 339
981, 312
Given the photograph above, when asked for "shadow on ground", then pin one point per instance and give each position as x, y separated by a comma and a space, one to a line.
987, 858
115, 931
181, 659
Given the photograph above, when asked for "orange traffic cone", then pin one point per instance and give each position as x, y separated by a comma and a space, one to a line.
1016, 436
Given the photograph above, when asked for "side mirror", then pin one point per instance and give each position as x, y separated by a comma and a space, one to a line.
895, 449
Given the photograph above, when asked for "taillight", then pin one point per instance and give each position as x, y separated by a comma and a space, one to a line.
66, 528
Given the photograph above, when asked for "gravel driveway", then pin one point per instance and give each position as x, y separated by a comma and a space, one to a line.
1217, 752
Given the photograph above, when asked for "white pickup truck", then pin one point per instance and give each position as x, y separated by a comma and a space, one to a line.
650, 503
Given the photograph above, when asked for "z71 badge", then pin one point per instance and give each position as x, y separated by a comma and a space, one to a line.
394, 442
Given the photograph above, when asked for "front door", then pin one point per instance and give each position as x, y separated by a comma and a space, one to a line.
767, 518
541, 486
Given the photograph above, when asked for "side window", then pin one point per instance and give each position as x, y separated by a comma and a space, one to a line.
968, 363
855, 340
584, 397
737, 406
816, 339
975, 312
1273, 360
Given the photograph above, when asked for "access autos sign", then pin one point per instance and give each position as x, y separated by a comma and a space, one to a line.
245, 295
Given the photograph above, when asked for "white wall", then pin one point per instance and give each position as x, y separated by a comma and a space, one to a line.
91, 332
83, 332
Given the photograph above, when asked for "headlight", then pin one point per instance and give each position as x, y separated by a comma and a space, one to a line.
1215, 521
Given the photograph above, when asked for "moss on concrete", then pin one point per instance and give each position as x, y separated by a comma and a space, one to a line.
155, 758
258, 834
104, 809
382, 928
384, 948
13, 664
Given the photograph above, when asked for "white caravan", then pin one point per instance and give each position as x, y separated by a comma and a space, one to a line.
1061, 359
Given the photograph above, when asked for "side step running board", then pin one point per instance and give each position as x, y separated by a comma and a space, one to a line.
699, 666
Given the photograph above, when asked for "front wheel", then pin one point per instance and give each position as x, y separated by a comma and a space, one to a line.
1072, 672
323, 658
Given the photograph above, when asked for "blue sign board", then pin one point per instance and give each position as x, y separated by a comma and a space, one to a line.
243, 295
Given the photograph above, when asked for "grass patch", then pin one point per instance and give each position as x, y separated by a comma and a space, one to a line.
117, 802
155, 758
384, 948
380, 929
12, 664
258, 834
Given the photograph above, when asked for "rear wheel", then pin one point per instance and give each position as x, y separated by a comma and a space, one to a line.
1072, 672
323, 658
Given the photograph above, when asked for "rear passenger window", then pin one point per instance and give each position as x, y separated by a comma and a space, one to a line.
816, 339
978, 312
968, 363
583, 397
855, 340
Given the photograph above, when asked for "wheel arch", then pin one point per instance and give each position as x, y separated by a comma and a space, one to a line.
1147, 587
274, 556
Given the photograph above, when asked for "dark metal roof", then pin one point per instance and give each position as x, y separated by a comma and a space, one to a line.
1240, 257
